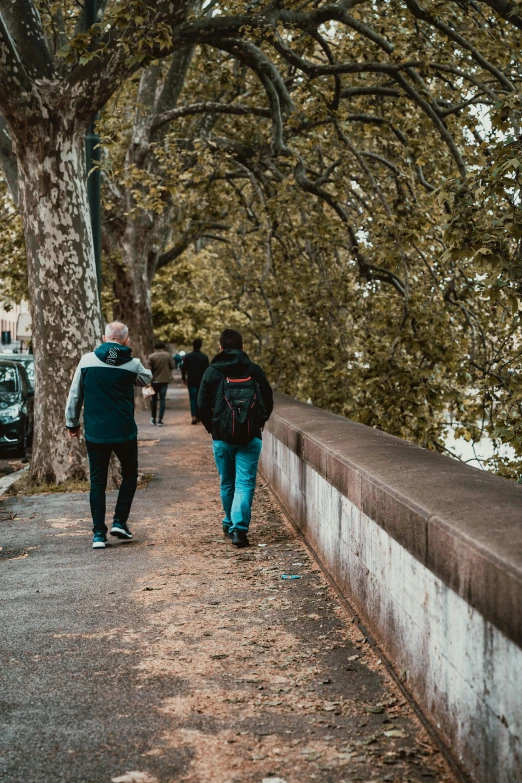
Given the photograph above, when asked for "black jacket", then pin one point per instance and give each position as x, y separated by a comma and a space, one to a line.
193, 368
234, 364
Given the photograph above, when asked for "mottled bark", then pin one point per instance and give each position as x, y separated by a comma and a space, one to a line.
45, 106
8, 161
144, 234
131, 288
62, 284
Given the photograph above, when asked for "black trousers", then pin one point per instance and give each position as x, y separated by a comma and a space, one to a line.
99, 459
161, 392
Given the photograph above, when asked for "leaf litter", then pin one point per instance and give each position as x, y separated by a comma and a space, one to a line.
255, 673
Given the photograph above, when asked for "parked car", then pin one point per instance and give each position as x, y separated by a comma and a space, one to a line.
16, 407
27, 359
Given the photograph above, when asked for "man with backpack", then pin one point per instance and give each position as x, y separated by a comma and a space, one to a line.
234, 401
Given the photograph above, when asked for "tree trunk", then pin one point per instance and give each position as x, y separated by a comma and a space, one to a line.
62, 283
144, 236
131, 287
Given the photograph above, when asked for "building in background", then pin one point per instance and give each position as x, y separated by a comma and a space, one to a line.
15, 328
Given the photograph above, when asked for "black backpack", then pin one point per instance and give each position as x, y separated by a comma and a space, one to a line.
238, 409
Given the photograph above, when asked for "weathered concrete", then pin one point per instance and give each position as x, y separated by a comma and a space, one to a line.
429, 551
7, 481
179, 658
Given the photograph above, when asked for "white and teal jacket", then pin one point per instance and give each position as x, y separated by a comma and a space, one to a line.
104, 383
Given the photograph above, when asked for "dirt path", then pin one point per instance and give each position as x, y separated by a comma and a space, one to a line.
178, 658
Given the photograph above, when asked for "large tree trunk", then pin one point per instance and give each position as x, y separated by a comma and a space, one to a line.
62, 283
144, 236
131, 288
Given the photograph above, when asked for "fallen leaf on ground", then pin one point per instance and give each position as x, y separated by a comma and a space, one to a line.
135, 777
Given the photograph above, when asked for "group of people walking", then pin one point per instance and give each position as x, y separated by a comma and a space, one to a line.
230, 396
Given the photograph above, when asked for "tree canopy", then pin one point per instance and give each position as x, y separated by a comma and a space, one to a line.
339, 179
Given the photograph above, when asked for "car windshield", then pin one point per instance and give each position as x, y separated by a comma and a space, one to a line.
8, 379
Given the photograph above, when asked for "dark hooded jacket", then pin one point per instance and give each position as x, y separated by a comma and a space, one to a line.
193, 368
230, 363
104, 380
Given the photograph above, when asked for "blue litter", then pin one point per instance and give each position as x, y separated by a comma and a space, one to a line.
290, 576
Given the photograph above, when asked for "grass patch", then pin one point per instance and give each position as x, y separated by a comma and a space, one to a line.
144, 479
25, 486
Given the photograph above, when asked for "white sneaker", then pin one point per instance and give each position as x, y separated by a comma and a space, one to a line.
121, 531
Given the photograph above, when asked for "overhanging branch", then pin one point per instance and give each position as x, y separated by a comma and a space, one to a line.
208, 107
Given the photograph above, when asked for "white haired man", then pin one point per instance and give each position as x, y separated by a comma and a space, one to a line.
104, 383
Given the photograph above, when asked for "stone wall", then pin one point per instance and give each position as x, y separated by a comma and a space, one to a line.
429, 552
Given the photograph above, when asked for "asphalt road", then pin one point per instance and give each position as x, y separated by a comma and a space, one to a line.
178, 658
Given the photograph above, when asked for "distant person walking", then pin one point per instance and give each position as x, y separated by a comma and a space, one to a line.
104, 383
161, 363
234, 401
192, 370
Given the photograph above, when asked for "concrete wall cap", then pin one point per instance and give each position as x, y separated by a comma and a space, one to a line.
464, 523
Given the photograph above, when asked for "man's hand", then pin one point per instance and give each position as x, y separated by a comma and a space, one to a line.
74, 433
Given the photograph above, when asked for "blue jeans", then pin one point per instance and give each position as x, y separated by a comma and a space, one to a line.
237, 467
193, 397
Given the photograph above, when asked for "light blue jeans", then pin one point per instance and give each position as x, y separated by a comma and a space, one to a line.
237, 468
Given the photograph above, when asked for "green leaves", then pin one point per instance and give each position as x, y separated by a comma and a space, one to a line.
398, 308
140, 35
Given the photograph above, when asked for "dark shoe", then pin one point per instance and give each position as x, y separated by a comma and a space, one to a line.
153, 421
120, 530
160, 423
194, 420
226, 532
99, 541
239, 539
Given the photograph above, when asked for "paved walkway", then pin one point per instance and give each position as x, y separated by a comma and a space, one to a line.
178, 658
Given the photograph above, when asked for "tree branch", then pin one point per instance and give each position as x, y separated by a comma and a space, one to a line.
330, 13
271, 80
15, 84
175, 80
208, 107
376, 89
8, 161
507, 9
444, 132
23, 22
191, 236
452, 34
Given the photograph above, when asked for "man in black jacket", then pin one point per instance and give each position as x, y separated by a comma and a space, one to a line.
192, 370
236, 463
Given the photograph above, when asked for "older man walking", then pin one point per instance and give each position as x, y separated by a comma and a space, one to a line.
104, 383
